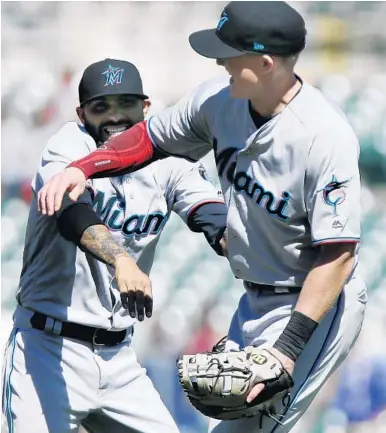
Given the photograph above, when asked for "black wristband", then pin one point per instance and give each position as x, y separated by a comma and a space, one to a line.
295, 335
75, 220
209, 218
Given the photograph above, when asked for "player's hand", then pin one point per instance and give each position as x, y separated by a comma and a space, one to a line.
288, 364
135, 288
224, 246
51, 195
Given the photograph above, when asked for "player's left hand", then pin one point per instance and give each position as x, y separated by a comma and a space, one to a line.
288, 364
224, 246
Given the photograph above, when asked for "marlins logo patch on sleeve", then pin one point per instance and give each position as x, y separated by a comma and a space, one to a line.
333, 193
204, 174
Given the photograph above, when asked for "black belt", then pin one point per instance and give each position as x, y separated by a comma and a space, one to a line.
266, 289
96, 336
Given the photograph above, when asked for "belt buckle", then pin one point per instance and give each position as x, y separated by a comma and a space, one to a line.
95, 336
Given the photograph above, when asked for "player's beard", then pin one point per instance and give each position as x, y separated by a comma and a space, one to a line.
99, 133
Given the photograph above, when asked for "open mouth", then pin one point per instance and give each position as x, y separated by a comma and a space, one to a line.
112, 130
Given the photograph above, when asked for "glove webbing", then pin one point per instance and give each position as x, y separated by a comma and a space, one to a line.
273, 415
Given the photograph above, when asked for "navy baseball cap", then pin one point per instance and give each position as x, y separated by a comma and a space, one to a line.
260, 27
110, 77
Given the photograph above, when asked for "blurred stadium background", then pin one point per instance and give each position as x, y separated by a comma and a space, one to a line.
46, 46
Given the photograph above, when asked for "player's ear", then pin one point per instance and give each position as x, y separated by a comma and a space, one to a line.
80, 113
146, 106
267, 63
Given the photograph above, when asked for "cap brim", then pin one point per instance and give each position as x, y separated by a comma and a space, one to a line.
101, 95
207, 44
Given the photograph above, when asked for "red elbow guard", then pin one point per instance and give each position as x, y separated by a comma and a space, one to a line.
128, 150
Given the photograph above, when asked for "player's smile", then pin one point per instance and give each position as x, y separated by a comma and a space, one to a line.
112, 130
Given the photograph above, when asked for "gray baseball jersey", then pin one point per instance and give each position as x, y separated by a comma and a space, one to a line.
289, 185
58, 279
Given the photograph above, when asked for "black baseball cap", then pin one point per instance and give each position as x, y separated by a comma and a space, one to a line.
260, 27
110, 77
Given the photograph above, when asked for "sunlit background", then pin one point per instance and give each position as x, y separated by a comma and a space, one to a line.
46, 46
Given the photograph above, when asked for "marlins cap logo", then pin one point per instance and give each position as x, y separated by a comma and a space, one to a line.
113, 75
224, 18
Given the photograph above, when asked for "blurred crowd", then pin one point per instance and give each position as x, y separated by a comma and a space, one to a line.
46, 46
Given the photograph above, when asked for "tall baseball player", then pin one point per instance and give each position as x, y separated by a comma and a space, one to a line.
69, 359
288, 166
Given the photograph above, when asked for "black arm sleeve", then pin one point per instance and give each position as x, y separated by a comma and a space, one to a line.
75, 219
210, 219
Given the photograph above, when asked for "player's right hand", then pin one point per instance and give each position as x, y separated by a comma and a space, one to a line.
51, 195
224, 246
135, 288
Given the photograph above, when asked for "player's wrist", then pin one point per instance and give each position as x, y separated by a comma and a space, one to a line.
287, 362
81, 170
123, 258
295, 335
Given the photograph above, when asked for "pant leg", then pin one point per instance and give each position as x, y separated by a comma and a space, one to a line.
48, 383
130, 403
326, 350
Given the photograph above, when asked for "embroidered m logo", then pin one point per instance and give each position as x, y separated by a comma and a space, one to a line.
113, 75
224, 18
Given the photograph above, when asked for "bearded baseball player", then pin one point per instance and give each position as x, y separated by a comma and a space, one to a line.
288, 166
84, 282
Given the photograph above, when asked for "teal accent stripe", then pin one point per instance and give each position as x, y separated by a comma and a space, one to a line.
314, 364
8, 383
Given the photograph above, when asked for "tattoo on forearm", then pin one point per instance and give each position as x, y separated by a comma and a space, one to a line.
99, 242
